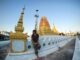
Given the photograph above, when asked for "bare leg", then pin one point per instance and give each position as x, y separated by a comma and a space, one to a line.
36, 52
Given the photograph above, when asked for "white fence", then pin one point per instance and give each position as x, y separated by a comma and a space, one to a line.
49, 44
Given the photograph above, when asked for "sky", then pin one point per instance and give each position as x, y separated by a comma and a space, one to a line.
65, 14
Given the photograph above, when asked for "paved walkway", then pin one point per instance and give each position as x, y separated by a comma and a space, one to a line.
3, 52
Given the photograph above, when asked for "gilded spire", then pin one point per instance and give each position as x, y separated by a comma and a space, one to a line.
18, 36
44, 27
19, 27
54, 30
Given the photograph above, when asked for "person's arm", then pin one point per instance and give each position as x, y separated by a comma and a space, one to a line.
37, 36
32, 38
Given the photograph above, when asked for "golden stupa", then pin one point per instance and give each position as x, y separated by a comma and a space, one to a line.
18, 38
44, 27
54, 30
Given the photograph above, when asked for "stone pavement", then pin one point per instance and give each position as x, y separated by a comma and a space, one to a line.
3, 52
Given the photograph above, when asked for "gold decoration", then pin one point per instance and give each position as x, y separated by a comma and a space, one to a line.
19, 35
44, 27
54, 30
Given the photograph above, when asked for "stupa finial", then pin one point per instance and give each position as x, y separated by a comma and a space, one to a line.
19, 27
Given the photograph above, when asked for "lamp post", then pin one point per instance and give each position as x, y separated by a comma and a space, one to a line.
36, 20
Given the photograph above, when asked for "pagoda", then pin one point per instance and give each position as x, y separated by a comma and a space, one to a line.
18, 39
54, 30
44, 27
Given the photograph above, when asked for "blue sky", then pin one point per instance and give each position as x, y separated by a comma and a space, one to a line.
65, 14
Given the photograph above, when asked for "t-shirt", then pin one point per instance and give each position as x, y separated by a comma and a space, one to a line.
35, 37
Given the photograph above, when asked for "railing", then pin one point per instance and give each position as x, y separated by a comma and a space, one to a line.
3, 43
49, 44
76, 55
